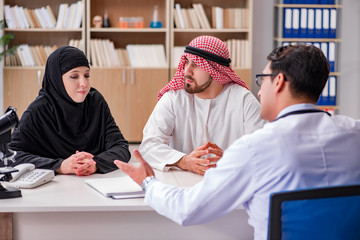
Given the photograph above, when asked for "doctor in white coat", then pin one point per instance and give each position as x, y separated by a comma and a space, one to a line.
301, 147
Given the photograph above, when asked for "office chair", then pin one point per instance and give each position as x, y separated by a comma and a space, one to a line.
319, 213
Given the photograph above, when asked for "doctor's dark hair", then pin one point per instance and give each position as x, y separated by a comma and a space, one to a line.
305, 67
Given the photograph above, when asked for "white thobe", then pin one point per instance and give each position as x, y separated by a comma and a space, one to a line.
182, 122
294, 152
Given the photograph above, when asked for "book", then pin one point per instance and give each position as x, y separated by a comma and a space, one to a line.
120, 187
193, 18
178, 11
201, 10
51, 16
176, 19
61, 15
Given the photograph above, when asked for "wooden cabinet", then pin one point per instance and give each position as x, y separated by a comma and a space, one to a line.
131, 95
21, 86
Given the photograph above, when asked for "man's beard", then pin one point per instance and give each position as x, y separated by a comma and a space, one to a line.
196, 88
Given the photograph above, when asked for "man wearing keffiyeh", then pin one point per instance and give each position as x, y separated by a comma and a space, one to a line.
200, 112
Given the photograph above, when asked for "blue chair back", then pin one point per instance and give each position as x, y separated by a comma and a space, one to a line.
320, 213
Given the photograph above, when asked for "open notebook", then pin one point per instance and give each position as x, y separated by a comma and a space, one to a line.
117, 188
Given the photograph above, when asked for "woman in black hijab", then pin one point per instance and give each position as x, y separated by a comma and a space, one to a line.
69, 127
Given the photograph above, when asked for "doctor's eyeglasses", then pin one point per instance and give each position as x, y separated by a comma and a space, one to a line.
259, 77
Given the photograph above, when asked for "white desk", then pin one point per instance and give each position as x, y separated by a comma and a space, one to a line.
67, 208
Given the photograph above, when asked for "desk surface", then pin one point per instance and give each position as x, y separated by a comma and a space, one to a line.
68, 203
69, 193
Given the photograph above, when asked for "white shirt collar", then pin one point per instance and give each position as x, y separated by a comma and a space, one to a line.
296, 107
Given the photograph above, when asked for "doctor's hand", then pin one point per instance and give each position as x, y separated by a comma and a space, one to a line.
137, 173
80, 163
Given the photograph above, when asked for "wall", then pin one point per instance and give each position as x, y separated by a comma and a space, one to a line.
263, 25
349, 87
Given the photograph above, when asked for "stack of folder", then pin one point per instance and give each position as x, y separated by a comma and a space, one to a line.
310, 22
328, 95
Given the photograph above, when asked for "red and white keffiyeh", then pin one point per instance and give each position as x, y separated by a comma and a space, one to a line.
221, 74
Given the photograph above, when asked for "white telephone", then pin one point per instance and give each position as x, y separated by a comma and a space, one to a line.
29, 177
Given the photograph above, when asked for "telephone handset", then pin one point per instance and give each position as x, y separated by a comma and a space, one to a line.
29, 177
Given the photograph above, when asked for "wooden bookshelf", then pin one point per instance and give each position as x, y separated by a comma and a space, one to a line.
130, 92
181, 37
22, 84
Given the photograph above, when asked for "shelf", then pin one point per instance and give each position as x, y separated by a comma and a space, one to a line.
212, 30
125, 30
335, 107
24, 68
41, 30
129, 68
307, 39
308, 5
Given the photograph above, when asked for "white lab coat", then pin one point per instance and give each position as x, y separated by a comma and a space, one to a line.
294, 152
182, 122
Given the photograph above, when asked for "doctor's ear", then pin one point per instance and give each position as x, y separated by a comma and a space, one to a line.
280, 81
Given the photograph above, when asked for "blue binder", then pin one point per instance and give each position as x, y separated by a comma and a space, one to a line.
324, 97
295, 23
303, 23
332, 90
325, 23
311, 23
287, 23
333, 16
318, 23
331, 56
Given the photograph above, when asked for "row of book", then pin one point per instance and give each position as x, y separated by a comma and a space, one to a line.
191, 18
310, 23
328, 48
104, 54
230, 17
309, 1
239, 50
69, 16
328, 95
29, 56
196, 18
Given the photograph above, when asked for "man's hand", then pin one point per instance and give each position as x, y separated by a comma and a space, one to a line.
80, 163
214, 149
194, 163
137, 173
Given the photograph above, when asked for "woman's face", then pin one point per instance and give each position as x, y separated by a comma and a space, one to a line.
77, 83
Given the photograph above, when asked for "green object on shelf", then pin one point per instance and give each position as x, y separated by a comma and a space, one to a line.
5, 41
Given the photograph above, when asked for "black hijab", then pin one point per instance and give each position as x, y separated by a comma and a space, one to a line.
54, 126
